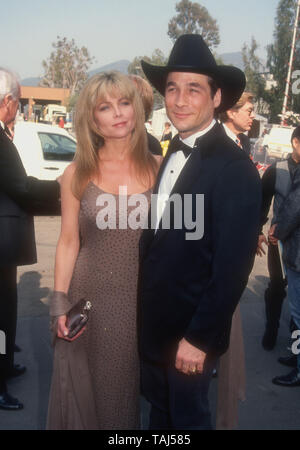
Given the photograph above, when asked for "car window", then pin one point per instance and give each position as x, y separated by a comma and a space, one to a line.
57, 147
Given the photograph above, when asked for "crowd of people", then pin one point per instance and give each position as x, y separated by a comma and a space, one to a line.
164, 301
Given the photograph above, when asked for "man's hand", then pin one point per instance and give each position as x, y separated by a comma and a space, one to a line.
260, 249
189, 359
272, 239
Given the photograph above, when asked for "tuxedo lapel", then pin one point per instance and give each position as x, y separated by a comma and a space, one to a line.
192, 168
171, 149
189, 174
149, 233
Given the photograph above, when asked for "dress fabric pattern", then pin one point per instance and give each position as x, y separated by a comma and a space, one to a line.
106, 273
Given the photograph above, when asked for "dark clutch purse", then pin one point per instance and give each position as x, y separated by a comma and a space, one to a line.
78, 317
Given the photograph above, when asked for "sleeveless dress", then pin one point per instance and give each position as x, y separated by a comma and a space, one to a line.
95, 383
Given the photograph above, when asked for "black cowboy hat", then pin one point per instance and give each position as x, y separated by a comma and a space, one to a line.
191, 54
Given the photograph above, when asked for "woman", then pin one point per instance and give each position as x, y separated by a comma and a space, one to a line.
146, 92
95, 382
167, 133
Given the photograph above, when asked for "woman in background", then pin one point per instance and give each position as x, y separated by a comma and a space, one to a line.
146, 92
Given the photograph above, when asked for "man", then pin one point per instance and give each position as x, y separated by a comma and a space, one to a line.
239, 119
276, 183
287, 229
190, 284
20, 197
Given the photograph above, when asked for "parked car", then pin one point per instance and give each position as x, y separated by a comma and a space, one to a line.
45, 150
278, 142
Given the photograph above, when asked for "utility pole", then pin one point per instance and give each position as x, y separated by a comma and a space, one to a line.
288, 80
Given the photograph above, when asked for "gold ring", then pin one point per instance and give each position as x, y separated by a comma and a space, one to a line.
194, 369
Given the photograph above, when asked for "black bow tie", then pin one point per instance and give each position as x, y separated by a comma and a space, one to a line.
177, 145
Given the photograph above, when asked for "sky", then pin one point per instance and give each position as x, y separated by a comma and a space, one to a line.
113, 30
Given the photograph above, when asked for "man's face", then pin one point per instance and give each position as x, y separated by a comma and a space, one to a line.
11, 107
242, 118
189, 104
296, 150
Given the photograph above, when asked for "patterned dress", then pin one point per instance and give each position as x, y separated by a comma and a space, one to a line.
106, 274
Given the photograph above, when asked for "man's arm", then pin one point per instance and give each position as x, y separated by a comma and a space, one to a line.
268, 191
31, 194
236, 212
289, 214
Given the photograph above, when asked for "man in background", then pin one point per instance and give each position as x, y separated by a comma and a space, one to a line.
21, 196
276, 183
238, 119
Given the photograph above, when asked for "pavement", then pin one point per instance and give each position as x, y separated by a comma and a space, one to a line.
267, 406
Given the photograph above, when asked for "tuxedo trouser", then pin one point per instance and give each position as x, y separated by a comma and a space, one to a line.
178, 401
8, 319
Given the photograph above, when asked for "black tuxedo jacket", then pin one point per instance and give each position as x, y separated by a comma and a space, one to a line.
190, 288
245, 141
21, 197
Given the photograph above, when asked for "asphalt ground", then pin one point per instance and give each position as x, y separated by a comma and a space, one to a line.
267, 406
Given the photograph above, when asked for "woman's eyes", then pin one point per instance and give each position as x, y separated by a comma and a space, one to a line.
106, 107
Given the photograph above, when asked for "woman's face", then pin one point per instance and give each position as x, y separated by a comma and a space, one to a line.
114, 117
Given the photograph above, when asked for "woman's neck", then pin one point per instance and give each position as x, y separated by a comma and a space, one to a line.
116, 149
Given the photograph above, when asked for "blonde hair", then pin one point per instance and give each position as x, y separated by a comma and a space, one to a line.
245, 97
146, 92
89, 139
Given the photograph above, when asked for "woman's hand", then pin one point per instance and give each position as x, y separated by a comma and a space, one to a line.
260, 249
62, 329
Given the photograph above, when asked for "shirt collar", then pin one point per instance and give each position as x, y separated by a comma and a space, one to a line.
2, 125
230, 133
190, 141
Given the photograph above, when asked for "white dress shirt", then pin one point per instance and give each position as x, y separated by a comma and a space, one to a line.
232, 135
172, 171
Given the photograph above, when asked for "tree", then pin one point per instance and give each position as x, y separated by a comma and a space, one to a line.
135, 68
278, 57
192, 18
157, 58
67, 66
253, 69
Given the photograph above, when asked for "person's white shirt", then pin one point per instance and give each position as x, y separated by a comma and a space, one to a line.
172, 171
231, 134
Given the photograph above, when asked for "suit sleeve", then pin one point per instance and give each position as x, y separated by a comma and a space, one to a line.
268, 190
236, 218
33, 195
289, 214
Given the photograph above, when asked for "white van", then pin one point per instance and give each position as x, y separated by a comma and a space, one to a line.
53, 112
45, 150
278, 142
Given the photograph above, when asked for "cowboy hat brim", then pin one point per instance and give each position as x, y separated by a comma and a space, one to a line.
230, 79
